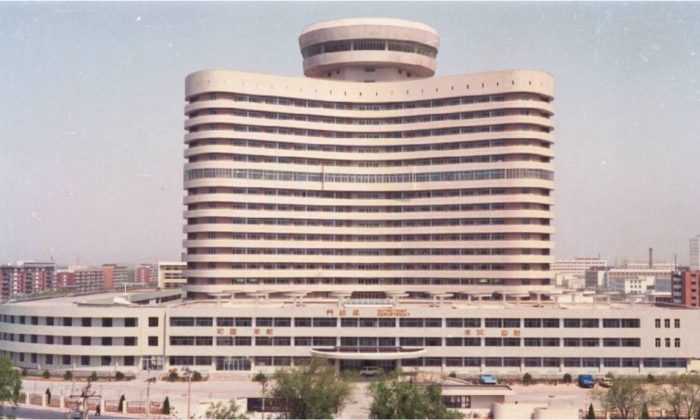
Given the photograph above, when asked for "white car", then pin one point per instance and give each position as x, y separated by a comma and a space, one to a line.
369, 371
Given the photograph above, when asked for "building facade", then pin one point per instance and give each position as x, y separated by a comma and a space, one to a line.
144, 273
368, 174
694, 253
577, 266
686, 288
115, 275
26, 278
171, 274
158, 331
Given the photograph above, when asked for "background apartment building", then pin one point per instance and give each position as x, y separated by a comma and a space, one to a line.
26, 278
170, 274
368, 174
694, 253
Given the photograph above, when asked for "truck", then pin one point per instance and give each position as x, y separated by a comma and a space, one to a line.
586, 381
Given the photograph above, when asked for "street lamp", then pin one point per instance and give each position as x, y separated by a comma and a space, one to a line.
148, 381
188, 373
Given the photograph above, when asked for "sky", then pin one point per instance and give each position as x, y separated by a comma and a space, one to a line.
92, 97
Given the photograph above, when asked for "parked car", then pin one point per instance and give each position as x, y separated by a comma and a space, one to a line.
369, 371
586, 381
605, 383
487, 379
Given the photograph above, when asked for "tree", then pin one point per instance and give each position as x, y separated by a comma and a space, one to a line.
683, 396
46, 374
166, 406
93, 377
10, 383
627, 395
119, 376
68, 375
222, 411
527, 378
121, 403
591, 412
645, 412
396, 398
196, 376
567, 378
314, 391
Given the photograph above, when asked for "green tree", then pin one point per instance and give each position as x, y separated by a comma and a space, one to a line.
93, 377
397, 398
46, 374
166, 406
683, 396
196, 376
119, 376
315, 391
10, 383
120, 407
591, 412
627, 396
567, 378
68, 375
223, 411
645, 412
527, 378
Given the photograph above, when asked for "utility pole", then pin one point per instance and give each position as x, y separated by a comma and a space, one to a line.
188, 373
148, 394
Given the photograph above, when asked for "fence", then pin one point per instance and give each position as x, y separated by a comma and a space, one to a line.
112, 406
136, 407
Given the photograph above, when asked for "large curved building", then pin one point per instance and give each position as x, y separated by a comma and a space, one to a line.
368, 176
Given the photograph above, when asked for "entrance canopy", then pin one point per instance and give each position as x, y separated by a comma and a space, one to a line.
367, 353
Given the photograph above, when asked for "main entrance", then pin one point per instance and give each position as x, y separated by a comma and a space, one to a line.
385, 365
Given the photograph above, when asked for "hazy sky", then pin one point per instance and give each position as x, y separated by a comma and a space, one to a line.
92, 96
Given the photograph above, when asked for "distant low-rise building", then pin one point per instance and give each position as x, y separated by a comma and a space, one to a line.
171, 274
144, 273
694, 249
88, 279
25, 278
115, 275
577, 266
686, 288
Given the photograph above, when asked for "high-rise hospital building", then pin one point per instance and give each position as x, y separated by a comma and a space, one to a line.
368, 176
369, 214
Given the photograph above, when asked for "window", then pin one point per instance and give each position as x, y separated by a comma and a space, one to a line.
85, 341
130, 322
533, 323
67, 341
67, 322
325, 322
106, 360
152, 321
106, 322
283, 322
387, 322
668, 342
181, 322
85, 360
657, 342
657, 323
493, 342
550, 342
49, 320
454, 323
86, 322
511, 323
349, 322
472, 322
550, 323
128, 360
611, 323
302, 322
411, 322
153, 340
106, 341
433, 322
129, 341
677, 342
65, 359
676, 323
493, 323
589, 323
49, 339
667, 323
244, 322
629, 323
572, 323
204, 322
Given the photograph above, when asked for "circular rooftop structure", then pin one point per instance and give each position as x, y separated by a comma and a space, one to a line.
369, 49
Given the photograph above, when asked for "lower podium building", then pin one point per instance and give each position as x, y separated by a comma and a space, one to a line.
545, 334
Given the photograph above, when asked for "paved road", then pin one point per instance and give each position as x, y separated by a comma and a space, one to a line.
24, 412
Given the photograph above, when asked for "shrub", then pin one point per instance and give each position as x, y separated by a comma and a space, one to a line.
68, 375
567, 378
93, 376
172, 376
46, 374
166, 406
259, 377
119, 376
453, 374
24, 372
527, 378
196, 376
650, 378
121, 403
